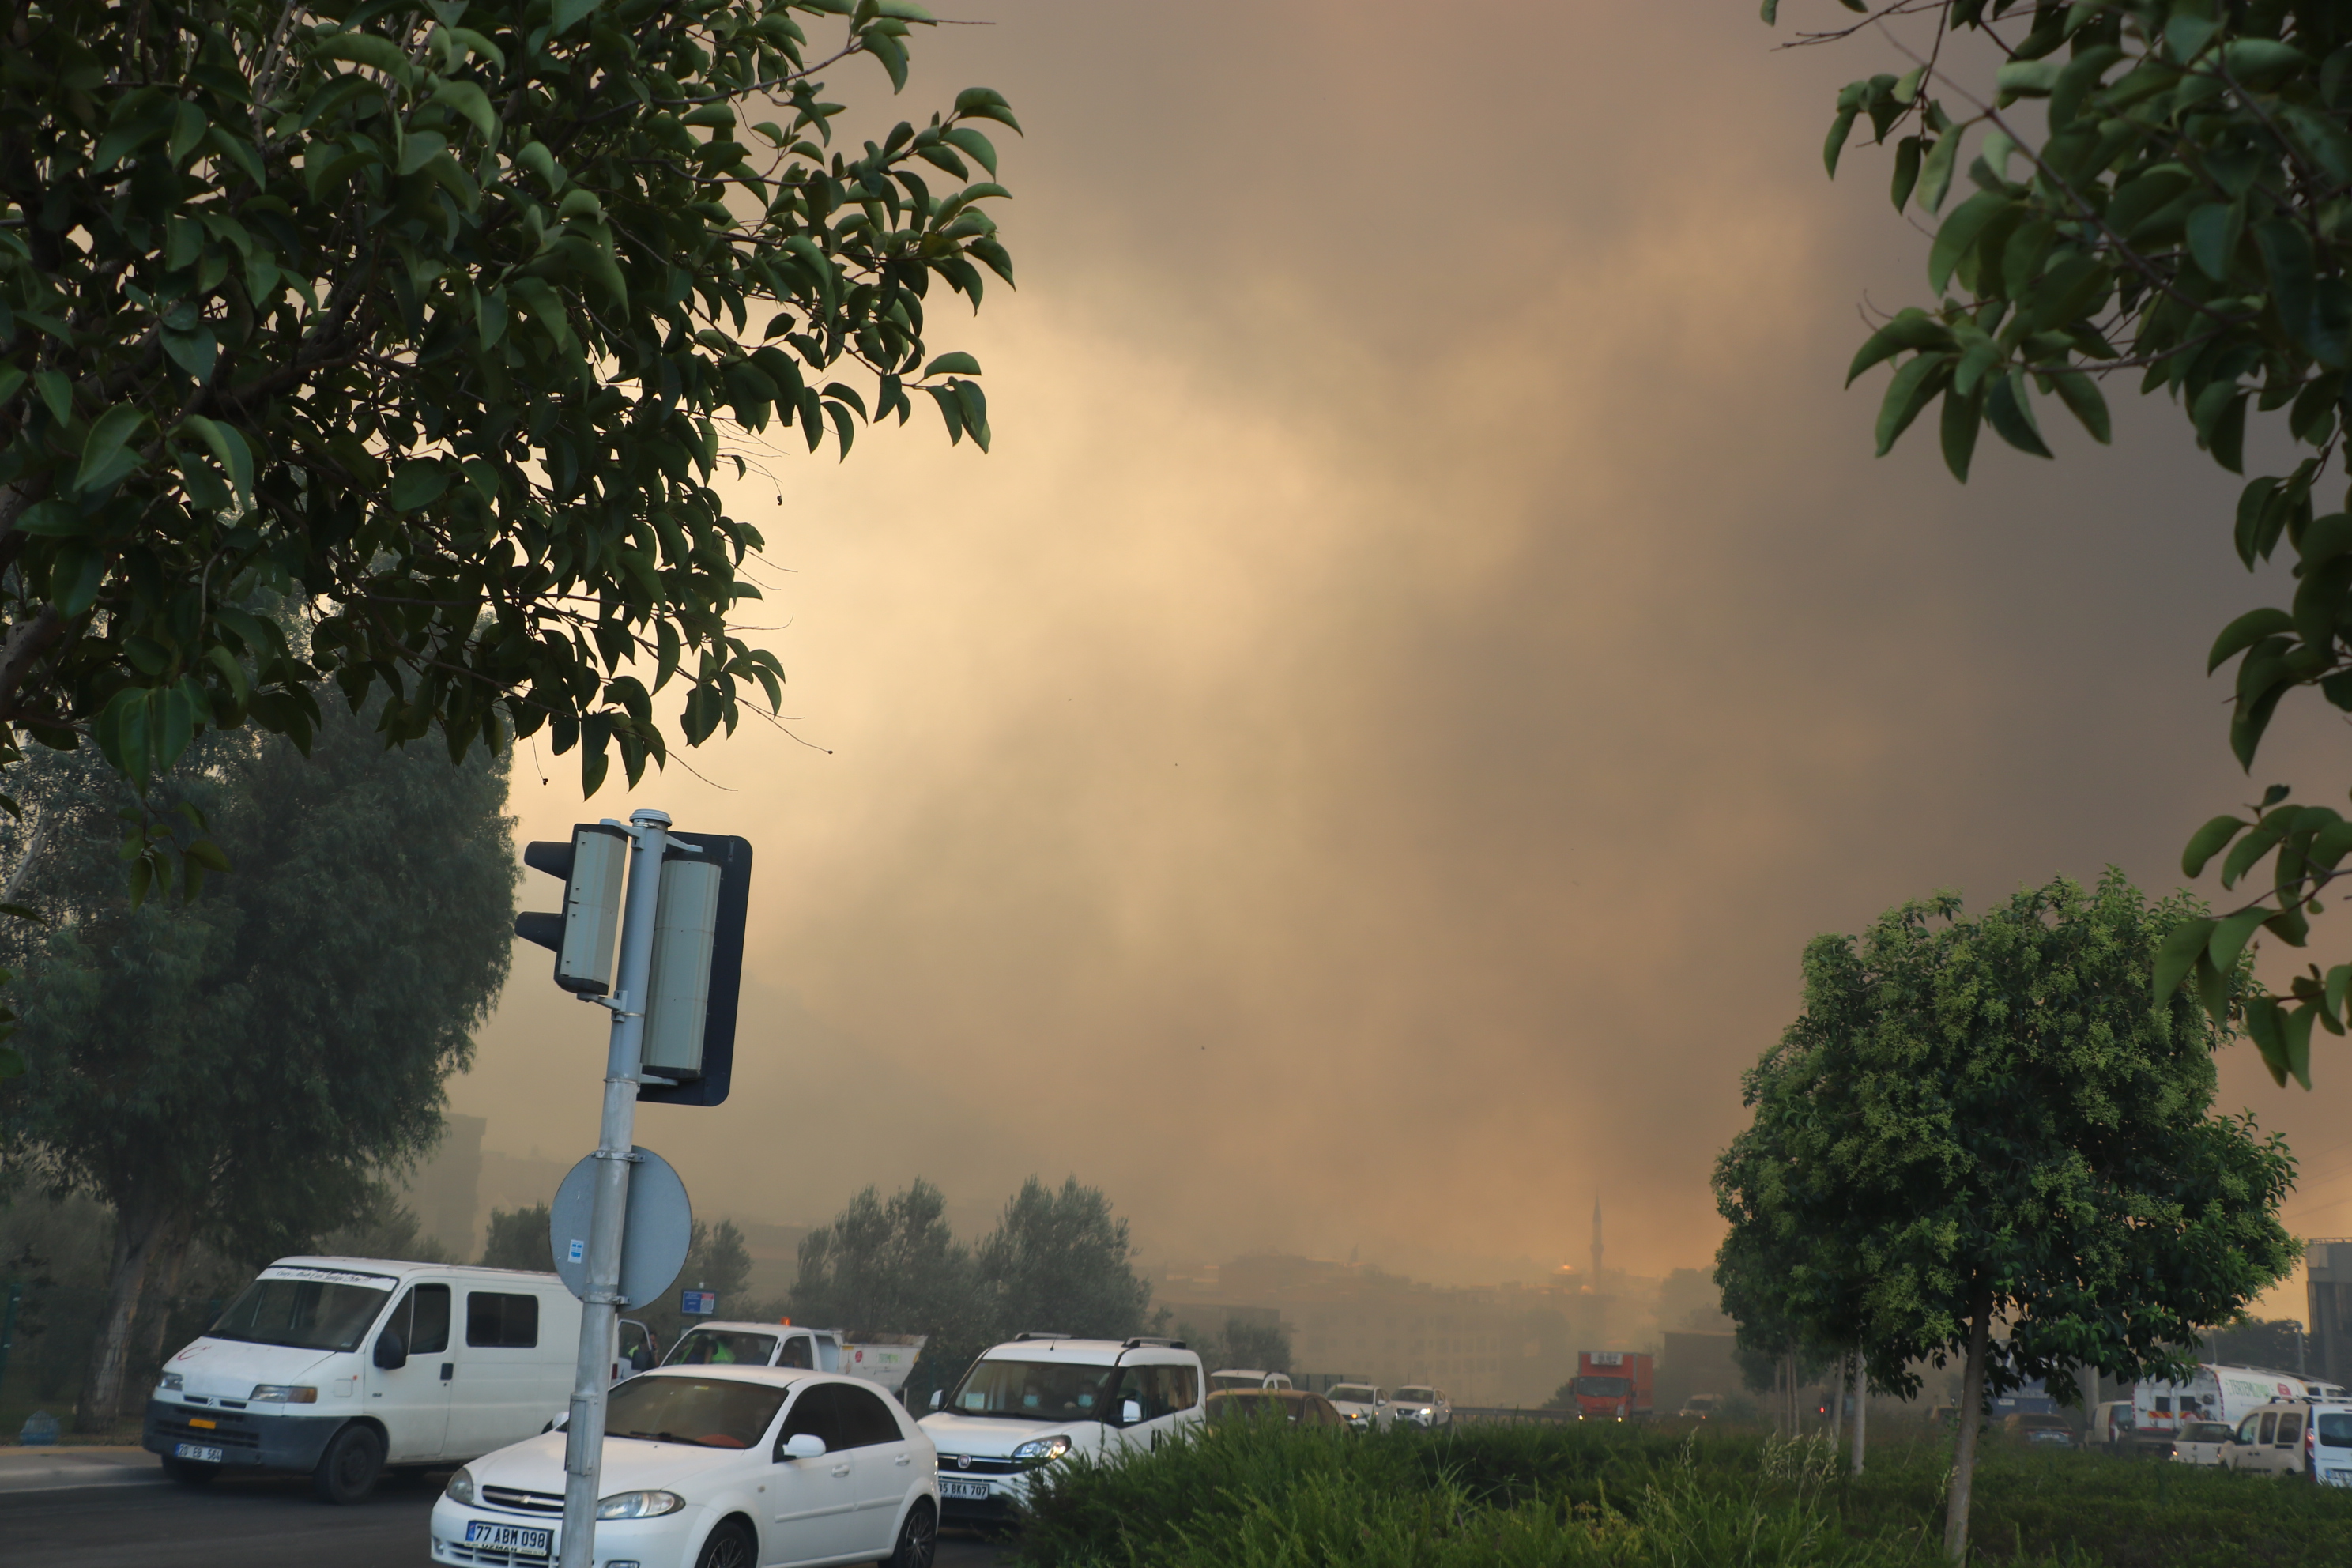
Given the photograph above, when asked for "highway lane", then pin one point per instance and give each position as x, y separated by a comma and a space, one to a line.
249, 1524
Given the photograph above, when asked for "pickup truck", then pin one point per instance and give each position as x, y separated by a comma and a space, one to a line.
883, 1359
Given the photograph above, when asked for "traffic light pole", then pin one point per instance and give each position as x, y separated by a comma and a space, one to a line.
584, 1449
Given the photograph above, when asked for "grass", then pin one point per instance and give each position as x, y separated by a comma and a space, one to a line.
1260, 1496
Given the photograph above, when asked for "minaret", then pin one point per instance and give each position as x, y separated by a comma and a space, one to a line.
1596, 1242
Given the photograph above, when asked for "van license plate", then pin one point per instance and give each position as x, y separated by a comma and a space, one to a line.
507, 1537
196, 1451
974, 1492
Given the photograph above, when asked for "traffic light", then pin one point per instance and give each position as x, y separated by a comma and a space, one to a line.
581, 937
698, 968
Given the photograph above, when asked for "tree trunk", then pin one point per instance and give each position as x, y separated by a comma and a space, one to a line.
1837, 1400
136, 1236
171, 1259
1861, 1406
1970, 1418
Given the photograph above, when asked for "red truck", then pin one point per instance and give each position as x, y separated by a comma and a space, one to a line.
1614, 1385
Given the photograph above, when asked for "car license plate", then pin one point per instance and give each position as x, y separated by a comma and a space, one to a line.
975, 1491
196, 1451
518, 1538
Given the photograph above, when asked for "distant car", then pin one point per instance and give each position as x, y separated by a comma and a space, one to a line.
2269, 1440
1297, 1405
1242, 1377
2203, 1442
716, 1467
1423, 1406
2037, 1430
1363, 1405
1700, 1406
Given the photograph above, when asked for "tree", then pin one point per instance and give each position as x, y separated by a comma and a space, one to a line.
2275, 1343
2181, 217
518, 1238
1059, 1261
245, 1068
894, 1267
715, 1260
1989, 1121
437, 316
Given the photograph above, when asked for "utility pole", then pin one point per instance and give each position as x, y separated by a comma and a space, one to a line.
583, 1446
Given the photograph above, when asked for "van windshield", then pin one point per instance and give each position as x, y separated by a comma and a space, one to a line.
1353, 1393
1605, 1387
308, 1314
722, 1347
1417, 1396
1033, 1391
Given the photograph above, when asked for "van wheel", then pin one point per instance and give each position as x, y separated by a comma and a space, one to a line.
190, 1472
728, 1546
347, 1472
919, 1538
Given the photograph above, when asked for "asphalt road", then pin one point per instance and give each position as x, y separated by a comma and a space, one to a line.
247, 1523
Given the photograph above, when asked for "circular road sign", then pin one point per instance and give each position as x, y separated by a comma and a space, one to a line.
653, 1241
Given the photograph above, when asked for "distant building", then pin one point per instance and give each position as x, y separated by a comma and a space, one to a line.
2328, 1273
1692, 1363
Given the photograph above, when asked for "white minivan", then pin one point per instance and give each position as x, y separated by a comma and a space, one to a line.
1038, 1398
342, 1366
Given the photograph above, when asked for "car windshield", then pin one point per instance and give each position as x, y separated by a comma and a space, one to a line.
322, 1313
1416, 1396
1605, 1387
2217, 1431
1219, 1381
1033, 1390
1255, 1402
1353, 1393
2334, 1429
708, 1411
722, 1347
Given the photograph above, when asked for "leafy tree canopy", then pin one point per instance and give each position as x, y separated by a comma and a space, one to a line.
518, 1238
437, 317
1988, 1121
2159, 190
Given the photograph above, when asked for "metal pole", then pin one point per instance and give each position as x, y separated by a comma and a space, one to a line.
583, 1446
9, 1327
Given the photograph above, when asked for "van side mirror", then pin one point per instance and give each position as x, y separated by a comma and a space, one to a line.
937, 1395
391, 1355
803, 1445
1129, 1412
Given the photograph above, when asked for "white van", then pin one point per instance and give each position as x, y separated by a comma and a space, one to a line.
1038, 1398
341, 1367
2270, 1440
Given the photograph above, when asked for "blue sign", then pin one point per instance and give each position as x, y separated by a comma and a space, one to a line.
698, 1304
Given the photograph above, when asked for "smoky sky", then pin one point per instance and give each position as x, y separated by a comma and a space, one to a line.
1355, 767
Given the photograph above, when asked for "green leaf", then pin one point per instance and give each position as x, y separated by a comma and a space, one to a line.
2296, 1030
473, 103
2229, 940
1907, 172
2209, 841
2028, 78
560, 18
1936, 169
106, 453
2244, 632
1833, 146
1911, 328
2179, 950
981, 150
953, 364
1918, 379
1957, 234
2213, 230
2081, 395
369, 49
2010, 411
418, 483
227, 443
1963, 418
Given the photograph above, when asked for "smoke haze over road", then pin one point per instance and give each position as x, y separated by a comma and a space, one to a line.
1357, 765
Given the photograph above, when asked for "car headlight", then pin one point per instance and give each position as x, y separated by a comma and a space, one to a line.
638, 1505
461, 1486
1042, 1450
173, 1381
282, 1394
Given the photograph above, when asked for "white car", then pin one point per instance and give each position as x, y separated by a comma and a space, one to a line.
714, 1467
1423, 1406
1039, 1398
1225, 1380
2202, 1443
2328, 1446
1364, 1405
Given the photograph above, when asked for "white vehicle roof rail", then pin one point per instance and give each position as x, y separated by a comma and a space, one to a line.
1156, 1341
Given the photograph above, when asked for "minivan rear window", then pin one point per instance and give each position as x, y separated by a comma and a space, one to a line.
2334, 1429
501, 1321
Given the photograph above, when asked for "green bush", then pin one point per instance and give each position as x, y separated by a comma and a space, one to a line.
1263, 1494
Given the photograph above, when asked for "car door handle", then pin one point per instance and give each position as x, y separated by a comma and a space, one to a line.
840, 1469
448, 1370
903, 1460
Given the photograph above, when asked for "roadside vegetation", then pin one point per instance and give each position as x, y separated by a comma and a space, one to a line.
1241, 1496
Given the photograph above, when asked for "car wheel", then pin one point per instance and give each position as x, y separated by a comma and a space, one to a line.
190, 1472
919, 1538
347, 1472
728, 1546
